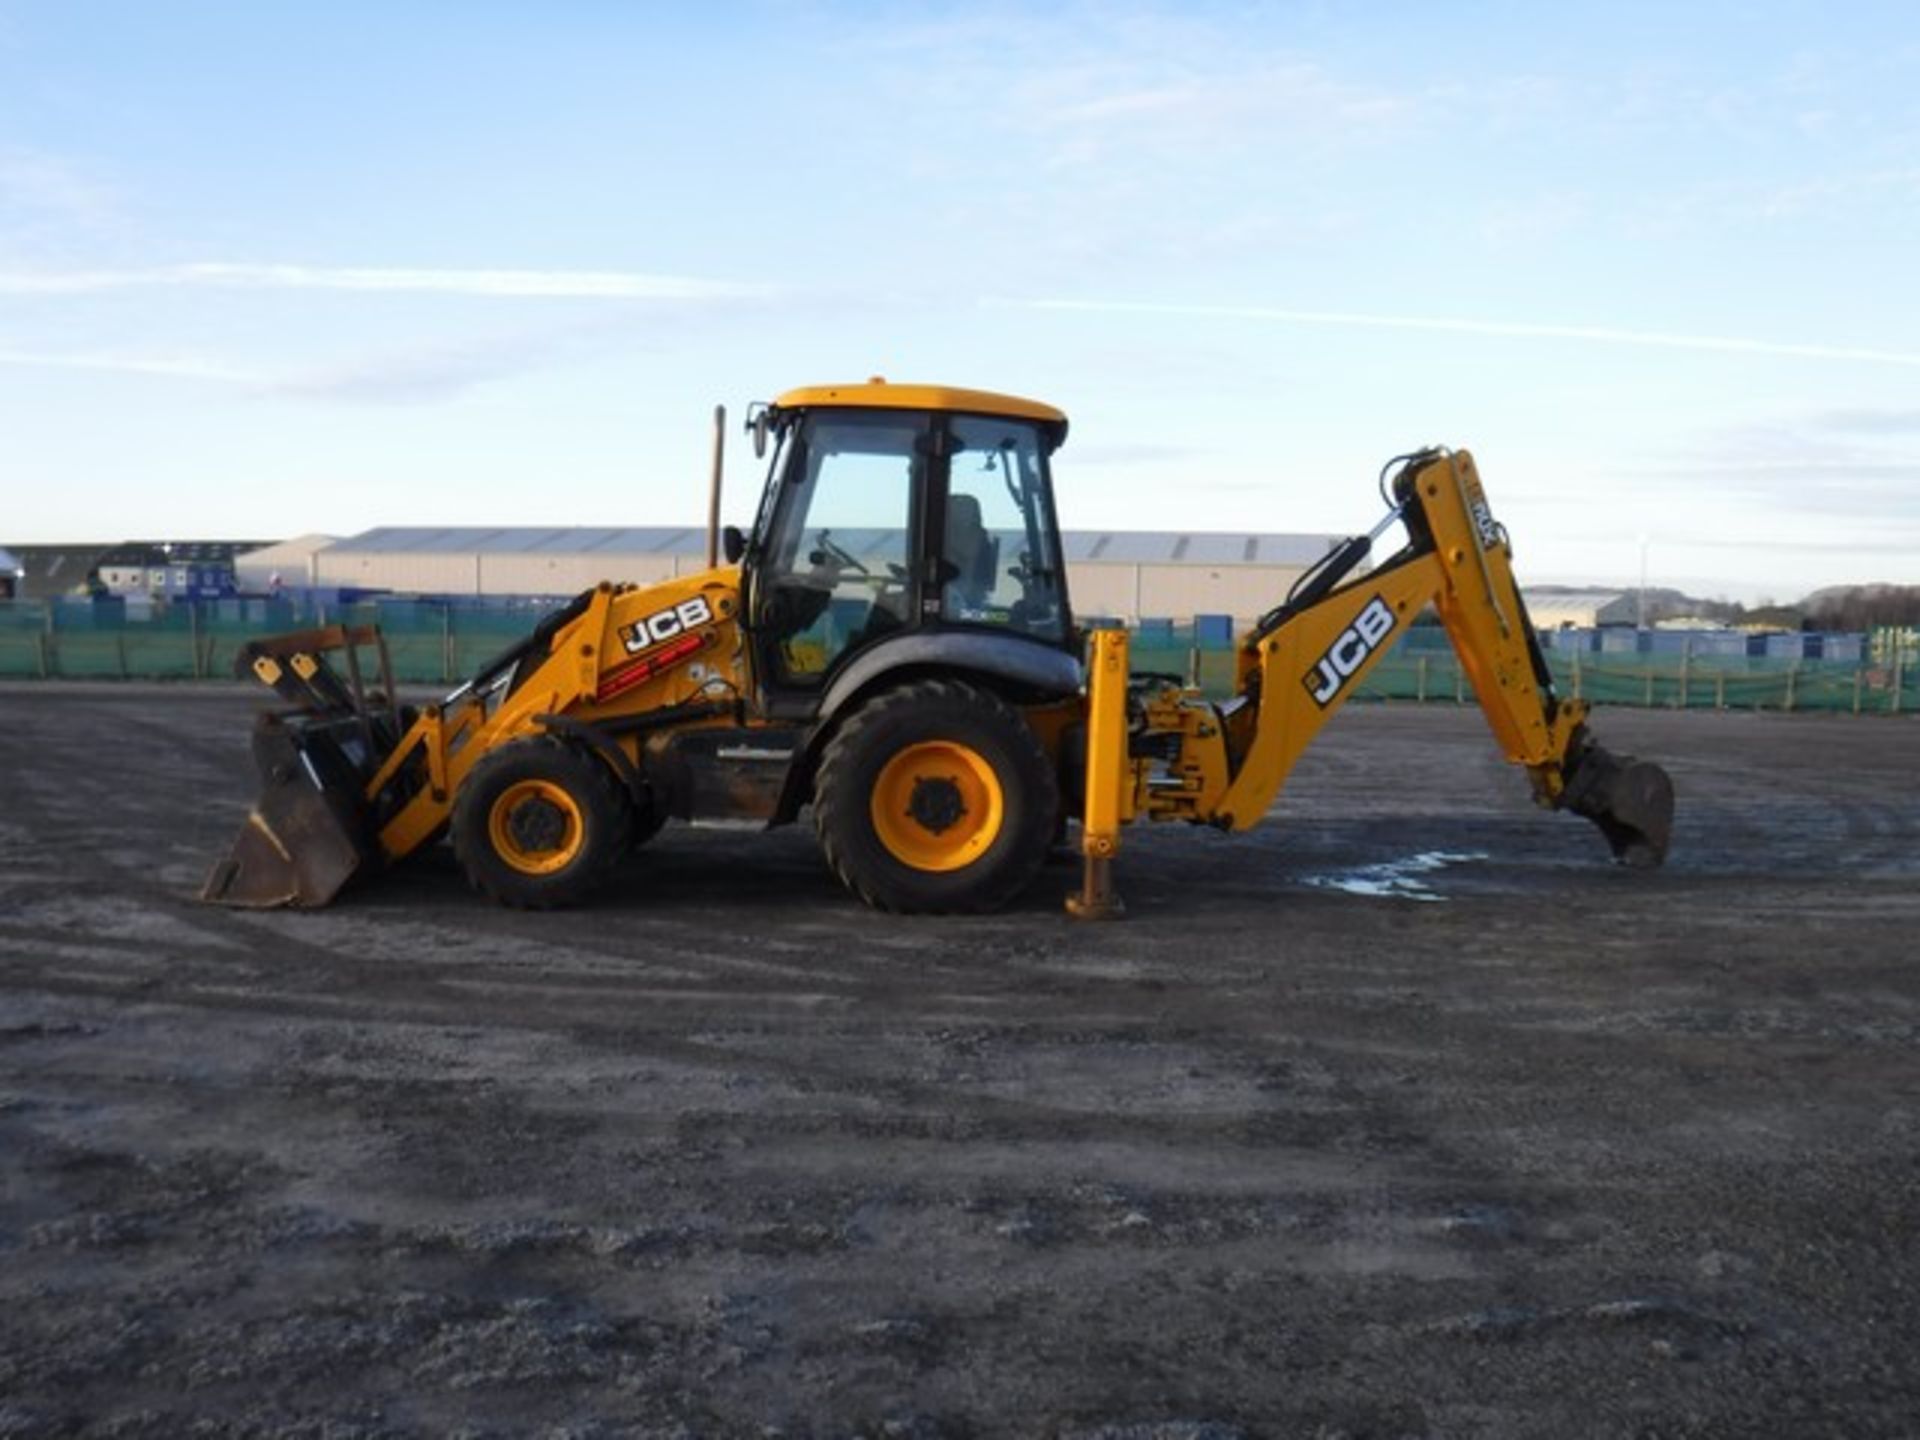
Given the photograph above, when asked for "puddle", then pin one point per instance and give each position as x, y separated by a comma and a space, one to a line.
1398, 879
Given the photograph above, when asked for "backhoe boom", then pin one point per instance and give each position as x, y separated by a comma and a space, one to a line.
1224, 765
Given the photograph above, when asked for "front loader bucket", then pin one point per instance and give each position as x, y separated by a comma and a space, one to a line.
305, 837
1630, 800
310, 830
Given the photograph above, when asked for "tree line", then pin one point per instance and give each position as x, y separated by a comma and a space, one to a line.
1862, 607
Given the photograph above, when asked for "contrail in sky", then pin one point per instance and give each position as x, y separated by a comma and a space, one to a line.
1592, 334
113, 363
509, 284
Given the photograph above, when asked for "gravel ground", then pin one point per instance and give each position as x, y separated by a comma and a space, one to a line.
1406, 1115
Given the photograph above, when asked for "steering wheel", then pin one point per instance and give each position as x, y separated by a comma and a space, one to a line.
827, 550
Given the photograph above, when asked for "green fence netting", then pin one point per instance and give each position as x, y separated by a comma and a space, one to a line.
438, 643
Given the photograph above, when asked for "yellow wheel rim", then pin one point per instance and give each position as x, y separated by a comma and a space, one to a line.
536, 827
937, 805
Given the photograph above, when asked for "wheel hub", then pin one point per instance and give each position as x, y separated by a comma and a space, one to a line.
537, 825
936, 803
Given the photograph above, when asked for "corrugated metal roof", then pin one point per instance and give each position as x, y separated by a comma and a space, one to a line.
523, 539
1566, 598
1120, 547
299, 547
1550, 609
1195, 547
56, 569
151, 553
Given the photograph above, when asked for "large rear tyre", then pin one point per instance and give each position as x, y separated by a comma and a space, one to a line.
539, 824
935, 797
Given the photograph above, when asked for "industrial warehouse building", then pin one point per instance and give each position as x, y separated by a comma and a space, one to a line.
1581, 609
1125, 575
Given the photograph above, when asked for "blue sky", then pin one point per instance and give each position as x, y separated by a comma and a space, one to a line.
275, 268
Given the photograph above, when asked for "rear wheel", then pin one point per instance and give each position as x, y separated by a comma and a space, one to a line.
539, 824
935, 797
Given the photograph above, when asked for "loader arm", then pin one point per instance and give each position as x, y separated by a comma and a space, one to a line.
1225, 765
352, 781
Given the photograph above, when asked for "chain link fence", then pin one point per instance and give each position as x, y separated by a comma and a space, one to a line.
436, 642
430, 642
1423, 667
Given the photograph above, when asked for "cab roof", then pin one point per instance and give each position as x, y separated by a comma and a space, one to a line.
878, 394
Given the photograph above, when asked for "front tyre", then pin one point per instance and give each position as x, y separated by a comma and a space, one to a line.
539, 824
933, 797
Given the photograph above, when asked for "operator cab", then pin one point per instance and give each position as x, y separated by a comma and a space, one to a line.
897, 509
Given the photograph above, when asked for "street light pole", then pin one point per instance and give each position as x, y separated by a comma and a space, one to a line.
1640, 603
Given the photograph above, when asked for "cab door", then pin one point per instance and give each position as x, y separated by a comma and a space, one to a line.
836, 569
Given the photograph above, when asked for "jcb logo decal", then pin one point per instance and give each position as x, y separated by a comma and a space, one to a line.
664, 625
1349, 652
1482, 513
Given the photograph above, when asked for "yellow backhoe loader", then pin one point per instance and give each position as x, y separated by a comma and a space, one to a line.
890, 645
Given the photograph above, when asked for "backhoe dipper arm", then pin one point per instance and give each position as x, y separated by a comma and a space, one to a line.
1306, 658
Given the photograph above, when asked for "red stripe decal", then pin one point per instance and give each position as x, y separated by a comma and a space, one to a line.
643, 669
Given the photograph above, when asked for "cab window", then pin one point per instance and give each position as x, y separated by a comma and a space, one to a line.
837, 573
999, 553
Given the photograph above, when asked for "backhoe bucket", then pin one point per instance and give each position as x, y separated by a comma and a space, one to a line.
304, 838
1630, 800
310, 831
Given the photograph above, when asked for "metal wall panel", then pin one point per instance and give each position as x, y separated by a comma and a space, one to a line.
1177, 592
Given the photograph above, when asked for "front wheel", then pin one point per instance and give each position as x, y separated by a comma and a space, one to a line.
935, 797
539, 824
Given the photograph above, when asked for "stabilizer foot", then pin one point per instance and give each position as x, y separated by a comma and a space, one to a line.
1096, 899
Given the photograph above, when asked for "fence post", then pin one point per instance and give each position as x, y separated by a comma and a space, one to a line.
1420, 686
1649, 674
1686, 665
1793, 672
120, 644
1859, 676
193, 639
1720, 691
1899, 675
446, 644
1193, 665
1576, 672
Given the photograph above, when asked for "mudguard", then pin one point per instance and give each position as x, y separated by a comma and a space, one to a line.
1050, 673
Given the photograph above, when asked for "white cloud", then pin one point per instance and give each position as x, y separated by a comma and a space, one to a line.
1869, 422
170, 367
1593, 334
35, 182
1153, 84
503, 284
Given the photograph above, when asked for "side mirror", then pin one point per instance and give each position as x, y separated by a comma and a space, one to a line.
733, 544
759, 425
